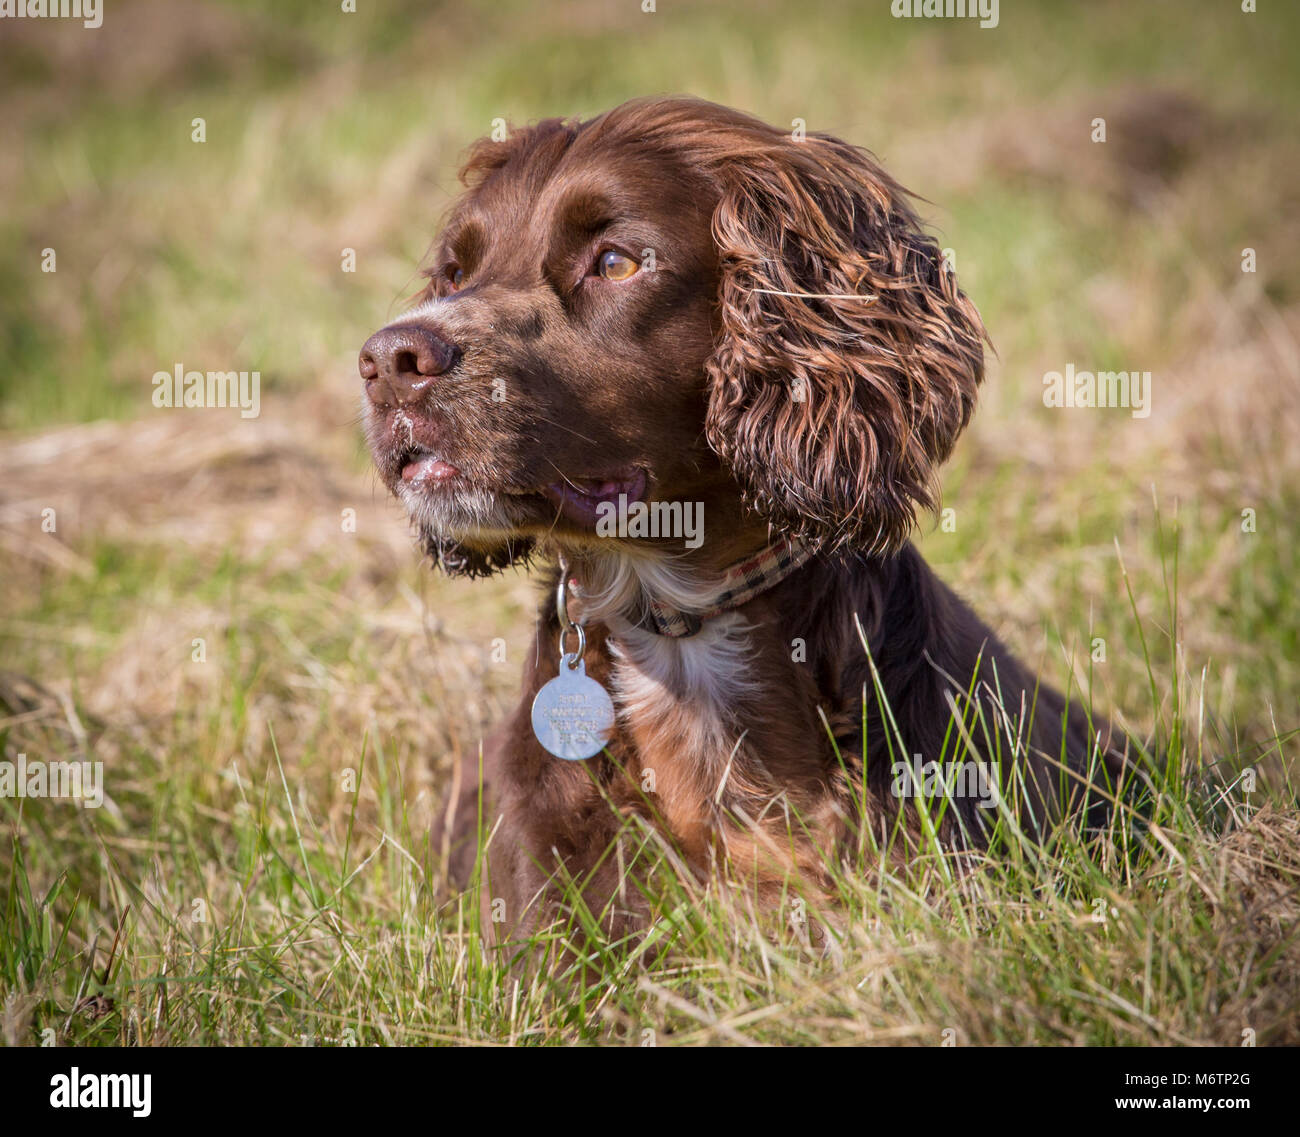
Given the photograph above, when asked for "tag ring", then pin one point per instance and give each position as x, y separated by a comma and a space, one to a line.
570, 659
562, 594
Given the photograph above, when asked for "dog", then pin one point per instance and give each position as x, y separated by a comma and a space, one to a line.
673, 310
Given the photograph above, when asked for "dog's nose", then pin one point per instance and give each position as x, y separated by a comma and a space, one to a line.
398, 363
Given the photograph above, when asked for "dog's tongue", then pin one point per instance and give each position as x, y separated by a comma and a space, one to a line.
603, 491
428, 469
579, 501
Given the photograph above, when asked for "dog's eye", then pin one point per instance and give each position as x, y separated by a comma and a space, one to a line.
455, 276
615, 266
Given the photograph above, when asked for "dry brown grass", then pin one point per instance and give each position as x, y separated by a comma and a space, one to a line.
329, 649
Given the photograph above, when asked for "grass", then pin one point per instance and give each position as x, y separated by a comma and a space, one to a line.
235, 888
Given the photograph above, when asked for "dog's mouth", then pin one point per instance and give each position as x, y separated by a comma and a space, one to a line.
421, 467
580, 499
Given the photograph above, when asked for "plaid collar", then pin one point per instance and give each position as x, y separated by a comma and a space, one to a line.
740, 584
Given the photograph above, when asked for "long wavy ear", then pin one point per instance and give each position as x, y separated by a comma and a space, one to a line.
848, 359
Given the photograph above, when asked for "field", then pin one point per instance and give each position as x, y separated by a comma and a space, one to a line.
229, 614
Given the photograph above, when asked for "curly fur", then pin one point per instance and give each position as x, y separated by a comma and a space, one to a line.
801, 362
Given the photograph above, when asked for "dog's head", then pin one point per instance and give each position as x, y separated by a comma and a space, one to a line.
672, 302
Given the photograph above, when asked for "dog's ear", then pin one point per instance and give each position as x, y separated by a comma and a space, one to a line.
833, 410
457, 559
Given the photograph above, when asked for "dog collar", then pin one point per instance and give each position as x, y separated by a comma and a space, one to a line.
573, 716
740, 583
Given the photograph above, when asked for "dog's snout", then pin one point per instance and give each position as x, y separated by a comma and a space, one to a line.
398, 363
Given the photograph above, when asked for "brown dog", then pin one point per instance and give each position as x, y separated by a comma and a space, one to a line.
674, 310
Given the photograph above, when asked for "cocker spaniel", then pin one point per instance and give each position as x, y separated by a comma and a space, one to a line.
711, 369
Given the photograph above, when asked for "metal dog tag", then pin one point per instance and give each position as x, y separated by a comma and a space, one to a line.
573, 716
